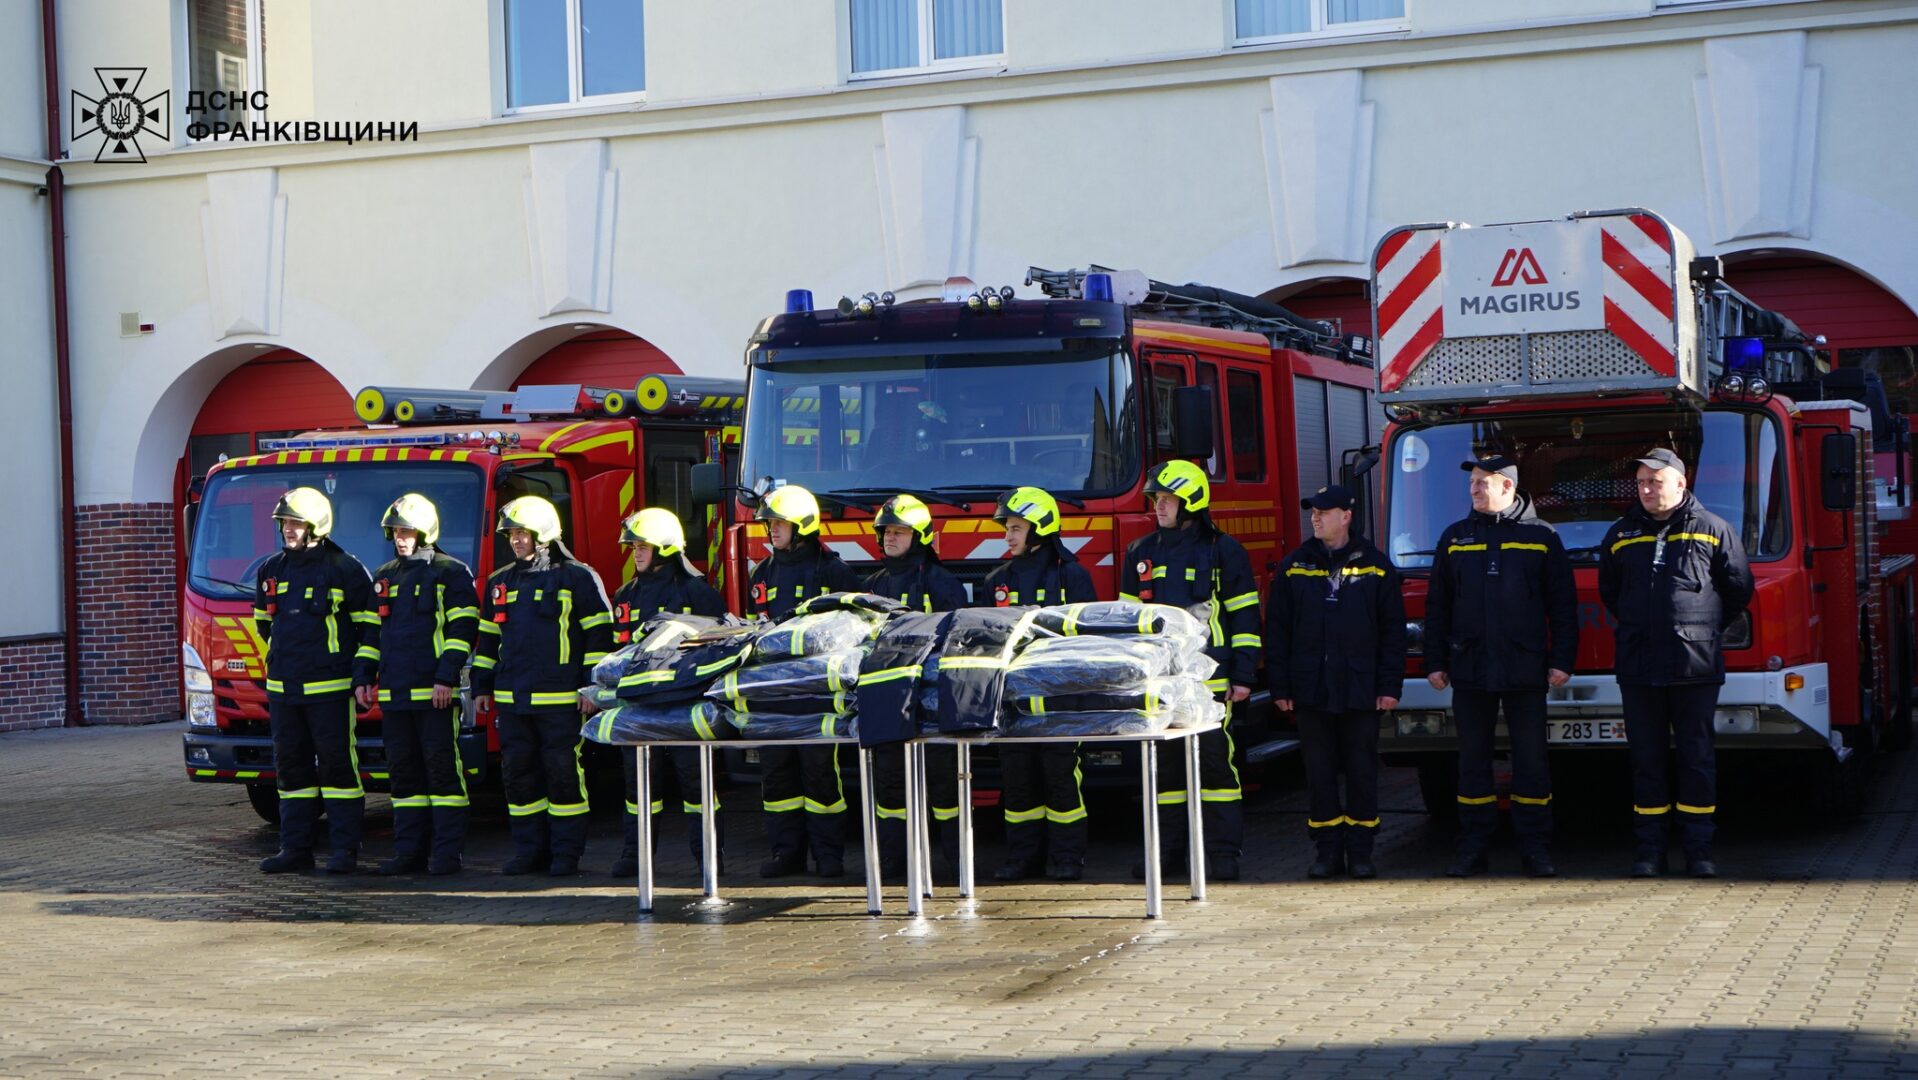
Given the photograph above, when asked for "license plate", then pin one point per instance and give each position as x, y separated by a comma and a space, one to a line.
1585, 731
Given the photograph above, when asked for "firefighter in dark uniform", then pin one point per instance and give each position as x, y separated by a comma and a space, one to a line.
314, 603
1335, 658
1674, 575
1189, 561
663, 580
1501, 626
544, 623
428, 617
911, 574
800, 787
1045, 810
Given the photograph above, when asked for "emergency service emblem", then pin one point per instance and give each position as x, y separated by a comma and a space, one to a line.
120, 116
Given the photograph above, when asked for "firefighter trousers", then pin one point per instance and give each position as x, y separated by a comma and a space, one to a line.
682, 763
889, 797
1477, 712
423, 757
804, 800
1661, 721
1044, 807
314, 751
544, 779
1334, 744
1220, 805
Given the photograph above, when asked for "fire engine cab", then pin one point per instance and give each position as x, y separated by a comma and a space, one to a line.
1578, 344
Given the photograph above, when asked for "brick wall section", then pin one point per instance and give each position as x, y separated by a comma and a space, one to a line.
129, 614
32, 683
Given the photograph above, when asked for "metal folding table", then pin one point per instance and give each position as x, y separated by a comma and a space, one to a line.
708, 803
918, 835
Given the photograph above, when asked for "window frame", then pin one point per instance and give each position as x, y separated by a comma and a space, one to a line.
575, 69
1323, 29
1241, 376
255, 60
928, 49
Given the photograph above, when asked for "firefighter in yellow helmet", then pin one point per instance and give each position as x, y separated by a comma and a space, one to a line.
663, 580
1044, 809
544, 623
1189, 561
805, 802
910, 572
313, 606
428, 617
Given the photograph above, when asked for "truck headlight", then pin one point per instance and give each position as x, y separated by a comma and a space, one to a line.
1415, 637
199, 711
197, 678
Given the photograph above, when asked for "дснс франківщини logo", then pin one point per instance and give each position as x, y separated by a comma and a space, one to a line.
120, 116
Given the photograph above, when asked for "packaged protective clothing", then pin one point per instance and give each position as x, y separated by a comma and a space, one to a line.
979, 644
828, 631
1050, 667
626, 723
807, 677
681, 668
1169, 702
895, 678
769, 726
1107, 617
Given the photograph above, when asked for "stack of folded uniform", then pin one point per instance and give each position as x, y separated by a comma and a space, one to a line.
653, 690
1110, 668
799, 679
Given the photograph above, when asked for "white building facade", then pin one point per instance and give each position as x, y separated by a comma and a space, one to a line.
615, 185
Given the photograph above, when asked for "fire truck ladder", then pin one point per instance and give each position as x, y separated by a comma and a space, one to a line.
1204, 305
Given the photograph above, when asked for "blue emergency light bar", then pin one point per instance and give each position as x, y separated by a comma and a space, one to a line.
339, 442
1744, 354
798, 301
1098, 288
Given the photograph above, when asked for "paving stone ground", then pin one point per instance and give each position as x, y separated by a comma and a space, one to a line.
139, 941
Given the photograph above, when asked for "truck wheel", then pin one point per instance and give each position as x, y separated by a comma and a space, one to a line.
1438, 785
266, 802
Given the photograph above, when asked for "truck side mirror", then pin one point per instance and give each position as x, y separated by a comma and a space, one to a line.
1192, 427
1838, 471
706, 481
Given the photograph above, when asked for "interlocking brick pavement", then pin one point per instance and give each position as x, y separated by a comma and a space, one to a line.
140, 941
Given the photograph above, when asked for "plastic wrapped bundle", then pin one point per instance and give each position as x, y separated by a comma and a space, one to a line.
978, 647
671, 676
662, 632
1106, 617
1174, 702
900, 663
768, 725
809, 676
699, 722
1086, 665
871, 603
817, 634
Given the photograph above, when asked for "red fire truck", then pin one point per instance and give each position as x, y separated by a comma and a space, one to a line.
1080, 392
597, 454
1577, 345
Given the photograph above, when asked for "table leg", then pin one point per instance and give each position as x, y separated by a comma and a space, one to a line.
643, 762
868, 833
915, 895
921, 823
708, 826
963, 752
1194, 817
1149, 777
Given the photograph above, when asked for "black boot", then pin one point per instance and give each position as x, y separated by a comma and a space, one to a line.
783, 864
627, 865
569, 844
948, 849
344, 818
296, 837
827, 835
449, 840
1330, 858
530, 852
412, 825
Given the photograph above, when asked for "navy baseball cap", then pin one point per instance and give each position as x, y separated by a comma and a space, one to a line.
1662, 458
1329, 498
1503, 464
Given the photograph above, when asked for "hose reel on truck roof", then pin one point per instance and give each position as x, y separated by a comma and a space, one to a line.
662, 396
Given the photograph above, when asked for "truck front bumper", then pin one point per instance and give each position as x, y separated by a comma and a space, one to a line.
215, 757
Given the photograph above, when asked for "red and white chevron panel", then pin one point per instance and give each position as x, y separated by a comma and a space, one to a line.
1640, 289
1411, 305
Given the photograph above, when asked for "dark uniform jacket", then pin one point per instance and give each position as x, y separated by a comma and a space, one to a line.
1335, 649
541, 632
1192, 565
313, 606
788, 578
918, 581
1673, 599
1503, 608
665, 587
1048, 574
428, 617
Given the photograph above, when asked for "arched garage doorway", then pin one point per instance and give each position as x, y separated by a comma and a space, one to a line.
1864, 324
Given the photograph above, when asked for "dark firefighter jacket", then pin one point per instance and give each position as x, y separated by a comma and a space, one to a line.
1335, 628
541, 632
313, 606
428, 617
788, 578
666, 587
1674, 586
1196, 565
918, 581
1503, 608
1048, 574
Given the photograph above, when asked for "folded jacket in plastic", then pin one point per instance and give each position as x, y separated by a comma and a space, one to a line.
700, 721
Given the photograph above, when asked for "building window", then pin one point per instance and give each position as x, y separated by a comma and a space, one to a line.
226, 40
568, 52
1261, 21
903, 37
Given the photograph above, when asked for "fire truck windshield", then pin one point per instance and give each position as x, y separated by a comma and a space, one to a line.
234, 531
1579, 472
1066, 420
